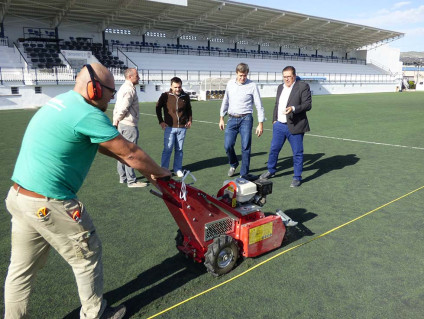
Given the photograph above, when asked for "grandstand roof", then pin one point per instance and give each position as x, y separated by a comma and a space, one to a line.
207, 19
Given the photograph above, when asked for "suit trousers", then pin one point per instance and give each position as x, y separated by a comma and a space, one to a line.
281, 133
32, 238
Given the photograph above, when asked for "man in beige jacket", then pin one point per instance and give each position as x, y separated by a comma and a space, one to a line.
125, 117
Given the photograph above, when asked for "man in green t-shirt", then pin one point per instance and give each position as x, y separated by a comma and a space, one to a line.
57, 151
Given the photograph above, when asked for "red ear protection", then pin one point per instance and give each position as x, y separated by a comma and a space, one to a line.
94, 89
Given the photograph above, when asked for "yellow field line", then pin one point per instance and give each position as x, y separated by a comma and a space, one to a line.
283, 252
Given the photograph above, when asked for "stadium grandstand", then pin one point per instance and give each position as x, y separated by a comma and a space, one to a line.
413, 70
44, 44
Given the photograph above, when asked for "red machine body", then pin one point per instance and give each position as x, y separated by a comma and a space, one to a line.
202, 219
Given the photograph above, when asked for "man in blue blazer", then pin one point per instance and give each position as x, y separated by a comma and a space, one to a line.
289, 122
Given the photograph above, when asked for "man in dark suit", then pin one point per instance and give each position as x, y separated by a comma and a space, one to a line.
289, 122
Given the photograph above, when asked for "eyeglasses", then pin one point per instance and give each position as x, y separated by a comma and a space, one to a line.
110, 89
288, 77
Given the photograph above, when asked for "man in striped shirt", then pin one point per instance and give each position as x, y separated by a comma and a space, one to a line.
240, 95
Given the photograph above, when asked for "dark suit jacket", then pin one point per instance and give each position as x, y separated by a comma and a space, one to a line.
300, 98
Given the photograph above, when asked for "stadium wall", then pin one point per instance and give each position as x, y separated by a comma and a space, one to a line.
386, 58
28, 98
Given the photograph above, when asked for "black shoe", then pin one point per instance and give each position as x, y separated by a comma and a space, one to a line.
266, 175
114, 312
295, 183
250, 177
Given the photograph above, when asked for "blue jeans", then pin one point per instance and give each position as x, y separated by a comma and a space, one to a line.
280, 132
173, 139
236, 125
126, 173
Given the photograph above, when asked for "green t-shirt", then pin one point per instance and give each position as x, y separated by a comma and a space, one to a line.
59, 146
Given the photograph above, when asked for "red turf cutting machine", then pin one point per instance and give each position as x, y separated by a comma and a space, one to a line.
217, 230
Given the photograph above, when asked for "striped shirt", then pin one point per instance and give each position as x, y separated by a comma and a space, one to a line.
239, 99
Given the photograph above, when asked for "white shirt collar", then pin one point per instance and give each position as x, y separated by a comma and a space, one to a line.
291, 86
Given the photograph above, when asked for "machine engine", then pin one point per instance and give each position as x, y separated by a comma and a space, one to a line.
250, 192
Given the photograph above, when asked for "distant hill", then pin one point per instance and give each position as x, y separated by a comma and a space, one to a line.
412, 57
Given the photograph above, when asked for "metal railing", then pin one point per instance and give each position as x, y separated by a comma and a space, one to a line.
225, 53
385, 68
161, 76
66, 75
21, 55
4, 41
123, 57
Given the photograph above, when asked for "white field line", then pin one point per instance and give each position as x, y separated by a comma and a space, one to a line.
328, 137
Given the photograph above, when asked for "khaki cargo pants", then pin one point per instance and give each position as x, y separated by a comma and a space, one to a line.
32, 238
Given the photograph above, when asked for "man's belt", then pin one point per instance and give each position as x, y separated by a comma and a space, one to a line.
26, 192
239, 115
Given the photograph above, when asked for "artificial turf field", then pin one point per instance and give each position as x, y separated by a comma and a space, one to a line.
357, 252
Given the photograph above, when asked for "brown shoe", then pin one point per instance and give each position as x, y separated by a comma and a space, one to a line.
114, 312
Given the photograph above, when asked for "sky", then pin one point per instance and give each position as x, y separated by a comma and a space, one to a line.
400, 16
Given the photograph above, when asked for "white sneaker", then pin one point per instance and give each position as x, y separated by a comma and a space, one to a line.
137, 184
231, 171
180, 174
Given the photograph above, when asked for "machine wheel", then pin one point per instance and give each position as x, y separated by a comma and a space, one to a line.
221, 256
179, 239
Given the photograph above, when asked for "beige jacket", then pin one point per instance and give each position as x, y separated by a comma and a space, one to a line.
127, 109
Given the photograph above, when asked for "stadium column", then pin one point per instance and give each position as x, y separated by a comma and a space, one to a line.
56, 37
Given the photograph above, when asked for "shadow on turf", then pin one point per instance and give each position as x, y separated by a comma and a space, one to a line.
301, 215
287, 163
327, 165
212, 162
159, 280
294, 233
313, 162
